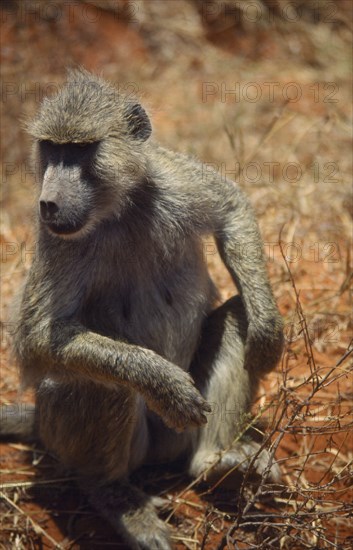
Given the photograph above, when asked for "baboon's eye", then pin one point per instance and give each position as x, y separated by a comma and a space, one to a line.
47, 142
47, 147
86, 146
81, 145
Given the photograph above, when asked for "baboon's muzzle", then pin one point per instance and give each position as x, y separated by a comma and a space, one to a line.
56, 220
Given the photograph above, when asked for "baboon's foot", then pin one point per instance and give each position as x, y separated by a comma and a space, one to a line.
228, 467
145, 531
132, 515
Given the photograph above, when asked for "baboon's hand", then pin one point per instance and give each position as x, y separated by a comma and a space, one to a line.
264, 345
177, 401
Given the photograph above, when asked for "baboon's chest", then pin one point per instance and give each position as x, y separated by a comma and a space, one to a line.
158, 310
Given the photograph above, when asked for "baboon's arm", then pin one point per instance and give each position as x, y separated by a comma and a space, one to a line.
240, 246
78, 352
218, 206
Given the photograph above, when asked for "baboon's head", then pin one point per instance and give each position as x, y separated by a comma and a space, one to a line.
89, 151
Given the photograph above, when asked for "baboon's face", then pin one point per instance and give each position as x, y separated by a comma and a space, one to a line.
89, 151
70, 191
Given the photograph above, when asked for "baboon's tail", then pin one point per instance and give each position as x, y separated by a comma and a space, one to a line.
17, 422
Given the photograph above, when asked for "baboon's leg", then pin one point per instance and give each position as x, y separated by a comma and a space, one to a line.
91, 428
132, 514
218, 369
102, 434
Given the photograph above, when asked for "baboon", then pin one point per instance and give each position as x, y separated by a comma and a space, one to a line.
118, 329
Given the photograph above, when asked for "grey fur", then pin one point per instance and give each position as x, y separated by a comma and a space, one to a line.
118, 304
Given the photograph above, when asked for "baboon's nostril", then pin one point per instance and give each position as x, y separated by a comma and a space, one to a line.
48, 209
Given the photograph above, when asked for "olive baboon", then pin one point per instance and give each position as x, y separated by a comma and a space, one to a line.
115, 328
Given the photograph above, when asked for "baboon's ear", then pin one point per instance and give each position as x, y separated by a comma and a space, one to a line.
138, 122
